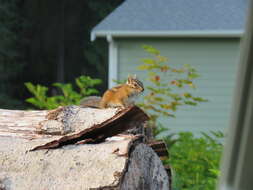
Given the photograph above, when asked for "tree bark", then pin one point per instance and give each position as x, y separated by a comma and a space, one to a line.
48, 150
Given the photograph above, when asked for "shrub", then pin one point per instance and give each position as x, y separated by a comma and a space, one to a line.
195, 160
168, 87
68, 96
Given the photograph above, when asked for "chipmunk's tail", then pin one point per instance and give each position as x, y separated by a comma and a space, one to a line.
91, 102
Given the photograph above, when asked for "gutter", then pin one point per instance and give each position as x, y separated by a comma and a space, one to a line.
181, 34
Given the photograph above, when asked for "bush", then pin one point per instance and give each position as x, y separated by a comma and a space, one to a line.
195, 160
169, 87
69, 96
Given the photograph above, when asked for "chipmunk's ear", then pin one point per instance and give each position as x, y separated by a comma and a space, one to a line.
134, 77
129, 79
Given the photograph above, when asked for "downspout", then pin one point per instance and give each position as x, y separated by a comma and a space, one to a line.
113, 61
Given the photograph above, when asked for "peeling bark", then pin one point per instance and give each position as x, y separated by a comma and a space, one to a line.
120, 122
69, 125
159, 147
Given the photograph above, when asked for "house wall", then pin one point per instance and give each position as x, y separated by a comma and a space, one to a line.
215, 59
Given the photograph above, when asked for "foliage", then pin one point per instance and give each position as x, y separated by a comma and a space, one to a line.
69, 96
29, 48
9, 23
169, 87
195, 160
95, 52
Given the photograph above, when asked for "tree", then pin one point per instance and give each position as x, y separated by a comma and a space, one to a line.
40, 38
11, 59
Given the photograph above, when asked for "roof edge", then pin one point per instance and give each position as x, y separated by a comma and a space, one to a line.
189, 33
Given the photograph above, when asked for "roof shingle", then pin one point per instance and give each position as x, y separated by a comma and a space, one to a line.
176, 15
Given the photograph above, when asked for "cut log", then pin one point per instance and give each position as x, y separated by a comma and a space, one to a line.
123, 164
62, 159
69, 125
159, 146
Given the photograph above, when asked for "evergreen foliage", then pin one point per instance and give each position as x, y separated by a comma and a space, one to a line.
29, 44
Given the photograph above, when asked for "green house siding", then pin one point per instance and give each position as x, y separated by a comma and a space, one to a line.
215, 59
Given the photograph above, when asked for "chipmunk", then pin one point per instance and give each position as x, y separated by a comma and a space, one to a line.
120, 96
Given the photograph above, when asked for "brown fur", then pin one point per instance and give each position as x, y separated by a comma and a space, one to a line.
119, 96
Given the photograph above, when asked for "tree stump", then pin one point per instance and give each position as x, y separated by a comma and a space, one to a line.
76, 148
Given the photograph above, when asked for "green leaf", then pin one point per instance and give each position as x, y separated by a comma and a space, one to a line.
193, 75
148, 61
199, 99
69, 95
35, 102
190, 103
150, 50
187, 95
148, 67
165, 84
